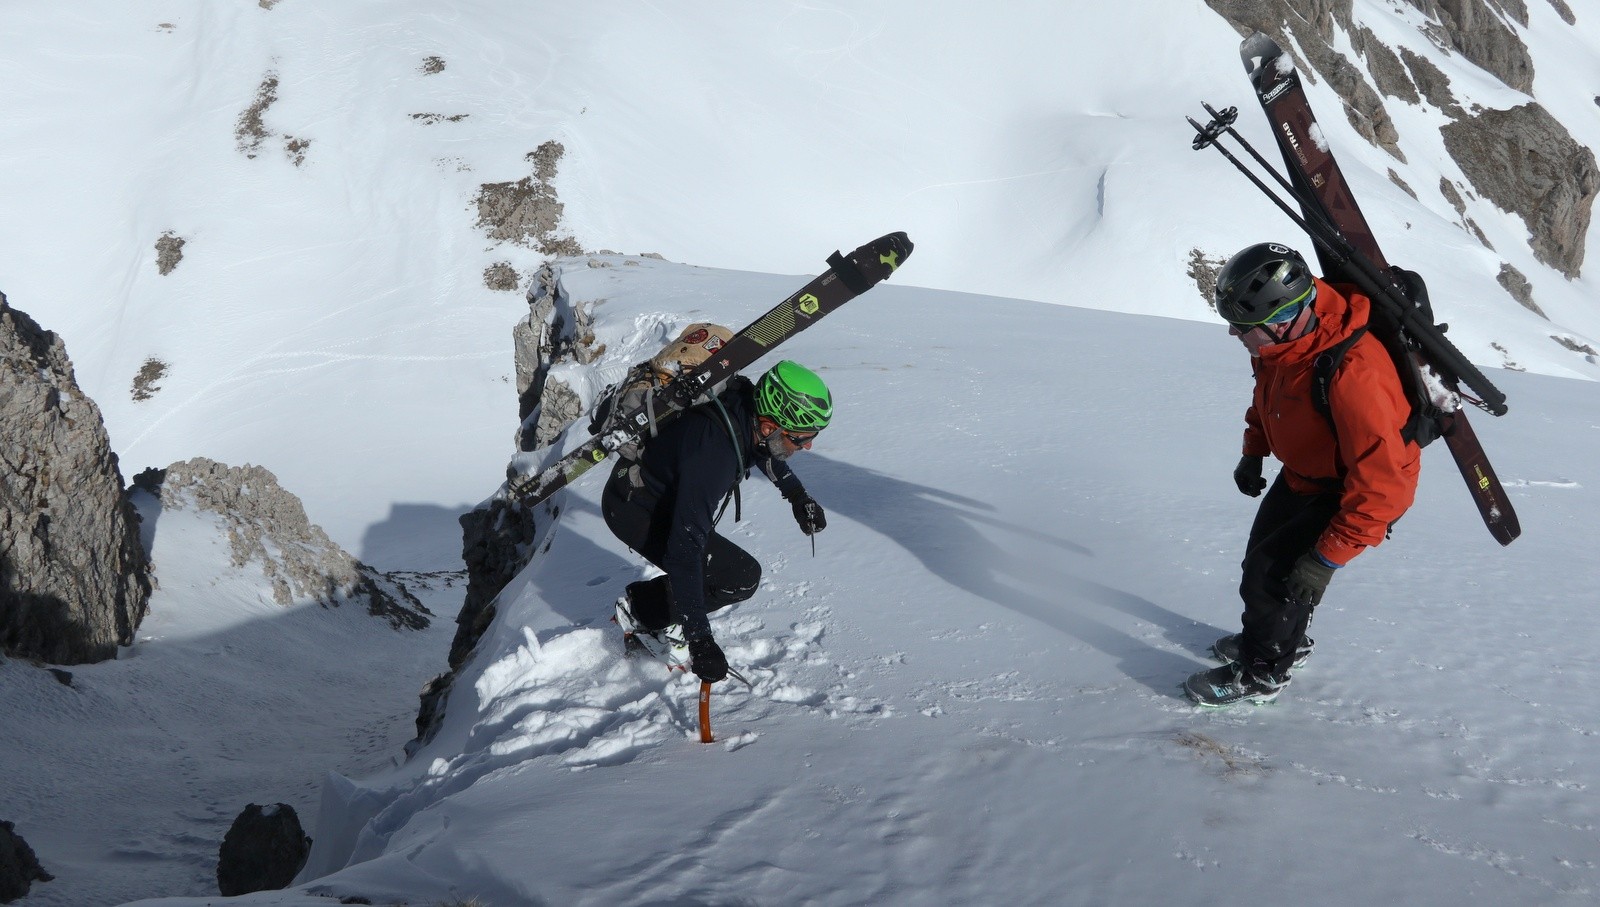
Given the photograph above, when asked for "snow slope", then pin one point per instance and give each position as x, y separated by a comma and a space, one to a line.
970, 693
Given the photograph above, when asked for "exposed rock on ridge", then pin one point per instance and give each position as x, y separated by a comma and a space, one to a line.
1521, 159
1526, 162
1477, 30
74, 579
1313, 21
499, 537
268, 526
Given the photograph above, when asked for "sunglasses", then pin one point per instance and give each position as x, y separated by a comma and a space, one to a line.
799, 440
1286, 312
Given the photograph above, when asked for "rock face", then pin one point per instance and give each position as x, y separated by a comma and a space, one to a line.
268, 526
263, 851
499, 537
527, 212
1526, 162
74, 579
1521, 159
1313, 22
19, 868
1476, 29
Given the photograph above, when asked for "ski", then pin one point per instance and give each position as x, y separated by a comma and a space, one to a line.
847, 277
1354, 256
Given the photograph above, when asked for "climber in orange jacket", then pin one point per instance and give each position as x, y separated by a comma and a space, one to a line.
1347, 474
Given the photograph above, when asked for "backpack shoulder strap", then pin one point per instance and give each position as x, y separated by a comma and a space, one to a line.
1322, 371
738, 453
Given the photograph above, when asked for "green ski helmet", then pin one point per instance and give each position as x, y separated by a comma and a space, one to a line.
794, 397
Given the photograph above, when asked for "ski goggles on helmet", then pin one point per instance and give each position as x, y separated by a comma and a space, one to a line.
1283, 313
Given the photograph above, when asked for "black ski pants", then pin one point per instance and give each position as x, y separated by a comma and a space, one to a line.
1286, 526
731, 574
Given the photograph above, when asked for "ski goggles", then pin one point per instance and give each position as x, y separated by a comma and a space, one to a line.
1283, 313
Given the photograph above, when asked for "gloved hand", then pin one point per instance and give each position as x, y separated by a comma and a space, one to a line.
1247, 475
808, 513
1309, 578
706, 659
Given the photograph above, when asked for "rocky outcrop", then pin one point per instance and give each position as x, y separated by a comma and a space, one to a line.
1526, 162
1477, 30
263, 851
74, 579
556, 329
499, 537
1517, 285
527, 211
1564, 11
1314, 23
1521, 159
267, 525
19, 867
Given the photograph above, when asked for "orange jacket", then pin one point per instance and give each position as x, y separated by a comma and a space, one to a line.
1369, 407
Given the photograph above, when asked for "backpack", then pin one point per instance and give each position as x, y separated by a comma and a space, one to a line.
1428, 398
697, 343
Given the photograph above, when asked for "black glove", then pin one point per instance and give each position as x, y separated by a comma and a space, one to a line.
1247, 475
1309, 578
706, 659
808, 513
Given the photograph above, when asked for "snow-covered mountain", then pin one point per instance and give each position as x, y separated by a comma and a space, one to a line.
295, 235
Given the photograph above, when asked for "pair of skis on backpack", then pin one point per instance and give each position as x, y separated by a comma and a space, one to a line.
847, 277
1432, 370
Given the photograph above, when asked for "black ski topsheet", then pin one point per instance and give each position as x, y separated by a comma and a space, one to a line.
1318, 181
1312, 169
847, 277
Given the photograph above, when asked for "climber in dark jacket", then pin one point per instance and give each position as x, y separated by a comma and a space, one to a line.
666, 505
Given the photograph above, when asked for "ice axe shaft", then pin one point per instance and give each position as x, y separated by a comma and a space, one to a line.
705, 713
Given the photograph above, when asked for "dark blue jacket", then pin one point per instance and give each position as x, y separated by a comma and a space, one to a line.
689, 469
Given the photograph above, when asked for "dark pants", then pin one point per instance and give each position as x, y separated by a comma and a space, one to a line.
1286, 526
731, 574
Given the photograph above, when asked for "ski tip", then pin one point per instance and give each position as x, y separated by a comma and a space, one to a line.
1257, 49
892, 249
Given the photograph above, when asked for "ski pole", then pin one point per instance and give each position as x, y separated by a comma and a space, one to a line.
1369, 278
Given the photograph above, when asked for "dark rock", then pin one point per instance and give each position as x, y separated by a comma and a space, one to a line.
267, 525
1526, 162
1312, 22
74, 578
1432, 82
1517, 285
263, 851
499, 537
19, 868
1474, 29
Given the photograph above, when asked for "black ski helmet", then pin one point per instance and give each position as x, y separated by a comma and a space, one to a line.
1261, 280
